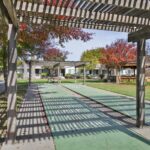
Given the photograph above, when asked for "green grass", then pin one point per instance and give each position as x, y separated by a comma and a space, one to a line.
22, 87
125, 89
63, 81
129, 90
33, 81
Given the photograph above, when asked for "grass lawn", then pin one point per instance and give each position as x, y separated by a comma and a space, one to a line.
22, 87
63, 81
125, 89
129, 90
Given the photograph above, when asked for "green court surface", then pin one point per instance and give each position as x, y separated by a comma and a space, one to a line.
77, 126
115, 101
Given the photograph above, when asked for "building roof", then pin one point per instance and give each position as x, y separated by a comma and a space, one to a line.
62, 64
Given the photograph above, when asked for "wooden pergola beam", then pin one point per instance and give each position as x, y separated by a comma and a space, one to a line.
9, 12
56, 65
138, 35
82, 13
86, 25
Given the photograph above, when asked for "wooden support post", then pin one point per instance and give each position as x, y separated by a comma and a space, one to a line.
58, 71
11, 84
140, 86
84, 74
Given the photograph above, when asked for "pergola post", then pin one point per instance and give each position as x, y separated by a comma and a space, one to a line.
12, 83
140, 86
58, 71
84, 74
75, 71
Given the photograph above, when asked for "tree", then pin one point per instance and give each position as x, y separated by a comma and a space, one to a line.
91, 56
40, 39
54, 54
118, 54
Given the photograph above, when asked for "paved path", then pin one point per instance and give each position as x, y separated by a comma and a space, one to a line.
76, 125
33, 133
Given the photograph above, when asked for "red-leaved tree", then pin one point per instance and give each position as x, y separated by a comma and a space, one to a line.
54, 54
42, 37
39, 39
118, 54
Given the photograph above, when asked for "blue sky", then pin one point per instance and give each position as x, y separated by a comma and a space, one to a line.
100, 39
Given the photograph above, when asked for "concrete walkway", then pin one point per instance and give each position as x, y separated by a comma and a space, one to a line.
33, 132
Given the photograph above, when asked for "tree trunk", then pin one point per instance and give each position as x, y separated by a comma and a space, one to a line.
107, 74
117, 76
30, 72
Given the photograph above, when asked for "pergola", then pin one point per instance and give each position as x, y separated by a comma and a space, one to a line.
62, 64
131, 16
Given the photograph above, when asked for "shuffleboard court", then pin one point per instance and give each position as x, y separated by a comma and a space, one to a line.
115, 101
75, 125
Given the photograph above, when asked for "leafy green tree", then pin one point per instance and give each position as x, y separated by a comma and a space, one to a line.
91, 56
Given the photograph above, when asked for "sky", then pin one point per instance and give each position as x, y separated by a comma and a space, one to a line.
100, 39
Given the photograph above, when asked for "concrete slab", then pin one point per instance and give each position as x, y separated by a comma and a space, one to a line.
144, 132
37, 145
33, 132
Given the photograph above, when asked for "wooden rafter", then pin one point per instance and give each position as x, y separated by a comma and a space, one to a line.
96, 14
80, 13
87, 25
140, 34
137, 4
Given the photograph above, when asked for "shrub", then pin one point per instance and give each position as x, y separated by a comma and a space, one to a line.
101, 76
20, 75
69, 76
44, 74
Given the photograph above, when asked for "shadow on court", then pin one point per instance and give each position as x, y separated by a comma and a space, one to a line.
122, 104
71, 117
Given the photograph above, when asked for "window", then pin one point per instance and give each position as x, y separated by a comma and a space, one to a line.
37, 71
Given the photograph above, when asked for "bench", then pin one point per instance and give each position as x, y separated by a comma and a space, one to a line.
54, 79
